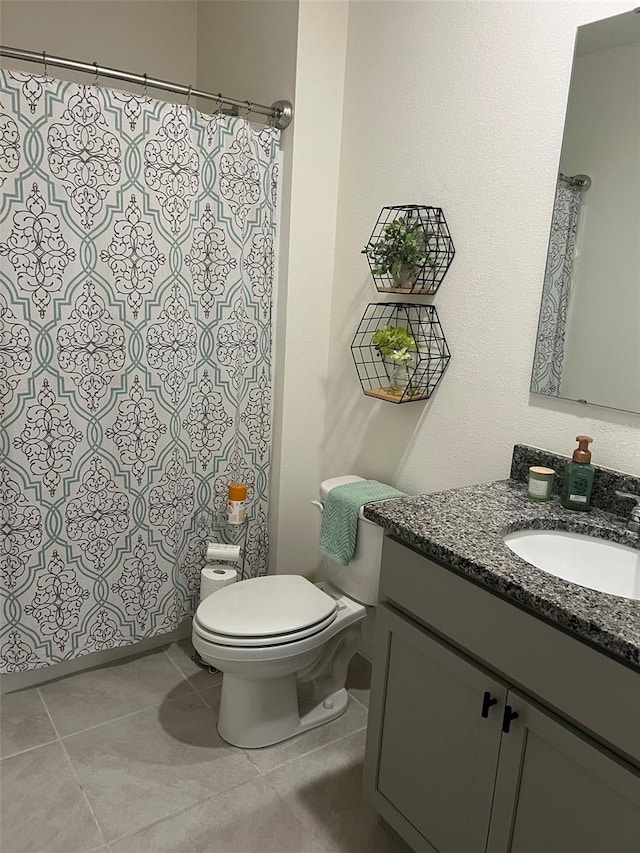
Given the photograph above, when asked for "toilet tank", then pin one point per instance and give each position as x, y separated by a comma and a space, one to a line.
360, 579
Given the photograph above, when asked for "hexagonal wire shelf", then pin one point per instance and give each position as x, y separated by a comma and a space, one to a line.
402, 366
389, 239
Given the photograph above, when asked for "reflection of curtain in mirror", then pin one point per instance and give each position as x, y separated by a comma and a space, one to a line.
549, 356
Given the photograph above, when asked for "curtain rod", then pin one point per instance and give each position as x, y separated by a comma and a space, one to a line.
581, 182
281, 111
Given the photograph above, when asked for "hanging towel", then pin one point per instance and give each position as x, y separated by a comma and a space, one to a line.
340, 516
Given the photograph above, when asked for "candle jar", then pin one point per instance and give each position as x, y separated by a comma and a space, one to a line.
540, 483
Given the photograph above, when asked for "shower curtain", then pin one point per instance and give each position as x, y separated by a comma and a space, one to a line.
549, 354
136, 267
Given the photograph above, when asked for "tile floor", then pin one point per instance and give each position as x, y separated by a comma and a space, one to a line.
127, 758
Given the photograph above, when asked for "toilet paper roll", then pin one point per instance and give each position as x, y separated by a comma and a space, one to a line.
222, 551
214, 578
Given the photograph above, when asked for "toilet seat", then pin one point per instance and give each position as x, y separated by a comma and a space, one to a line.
253, 641
264, 612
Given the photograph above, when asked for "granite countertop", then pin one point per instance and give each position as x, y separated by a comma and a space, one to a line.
464, 528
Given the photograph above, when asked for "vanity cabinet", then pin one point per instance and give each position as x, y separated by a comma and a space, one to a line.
461, 757
557, 791
436, 751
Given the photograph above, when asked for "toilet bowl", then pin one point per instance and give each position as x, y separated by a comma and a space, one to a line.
283, 644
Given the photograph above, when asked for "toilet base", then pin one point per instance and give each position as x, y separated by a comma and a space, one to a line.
260, 713
272, 693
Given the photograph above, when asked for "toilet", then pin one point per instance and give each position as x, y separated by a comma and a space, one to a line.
283, 643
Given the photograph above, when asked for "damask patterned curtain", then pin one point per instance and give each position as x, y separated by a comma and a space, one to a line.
136, 254
549, 355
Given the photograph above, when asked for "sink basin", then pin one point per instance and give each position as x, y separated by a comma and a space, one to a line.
585, 560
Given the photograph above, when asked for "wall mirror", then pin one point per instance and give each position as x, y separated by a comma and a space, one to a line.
588, 342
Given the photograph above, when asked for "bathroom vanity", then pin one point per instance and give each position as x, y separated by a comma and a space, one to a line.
505, 706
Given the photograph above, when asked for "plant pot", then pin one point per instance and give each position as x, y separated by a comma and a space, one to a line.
404, 275
399, 374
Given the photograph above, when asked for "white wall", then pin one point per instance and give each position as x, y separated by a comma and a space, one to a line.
247, 48
601, 139
459, 105
304, 332
154, 37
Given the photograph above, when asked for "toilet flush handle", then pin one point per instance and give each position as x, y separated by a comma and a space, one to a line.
320, 506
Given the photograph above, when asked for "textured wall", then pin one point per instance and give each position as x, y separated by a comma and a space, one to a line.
304, 308
459, 105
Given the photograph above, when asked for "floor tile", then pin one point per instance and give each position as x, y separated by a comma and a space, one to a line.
42, 807
251, 818
181, 654
212, 696
324, 790
359, 679
155, 763
24, 722
100, 695
354, 719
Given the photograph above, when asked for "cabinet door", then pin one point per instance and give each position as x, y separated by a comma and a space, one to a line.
558, 792
432, 755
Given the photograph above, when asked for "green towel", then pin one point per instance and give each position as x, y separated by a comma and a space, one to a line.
340, 516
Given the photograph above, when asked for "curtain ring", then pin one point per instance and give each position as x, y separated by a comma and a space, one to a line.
145, 90
219, 99
96, 82
44, 62
189, 95
249, 108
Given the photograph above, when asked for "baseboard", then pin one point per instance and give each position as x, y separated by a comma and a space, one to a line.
12, 681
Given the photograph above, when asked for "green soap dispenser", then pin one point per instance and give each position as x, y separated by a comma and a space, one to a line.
578, 477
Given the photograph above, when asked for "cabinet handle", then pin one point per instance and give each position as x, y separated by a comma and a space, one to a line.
509, 714
487, 701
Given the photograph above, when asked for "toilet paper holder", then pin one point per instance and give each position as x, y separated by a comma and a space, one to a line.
221, 552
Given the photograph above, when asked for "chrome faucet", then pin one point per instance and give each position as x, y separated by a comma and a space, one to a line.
634, 521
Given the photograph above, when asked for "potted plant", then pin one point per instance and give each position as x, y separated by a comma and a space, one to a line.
400, 251
396, 345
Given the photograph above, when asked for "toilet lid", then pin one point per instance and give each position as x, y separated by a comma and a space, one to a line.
266, 607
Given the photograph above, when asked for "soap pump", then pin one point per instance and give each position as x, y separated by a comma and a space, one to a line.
578, 477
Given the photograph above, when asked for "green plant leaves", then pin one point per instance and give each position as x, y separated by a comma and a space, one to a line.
402, 245
394, 342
